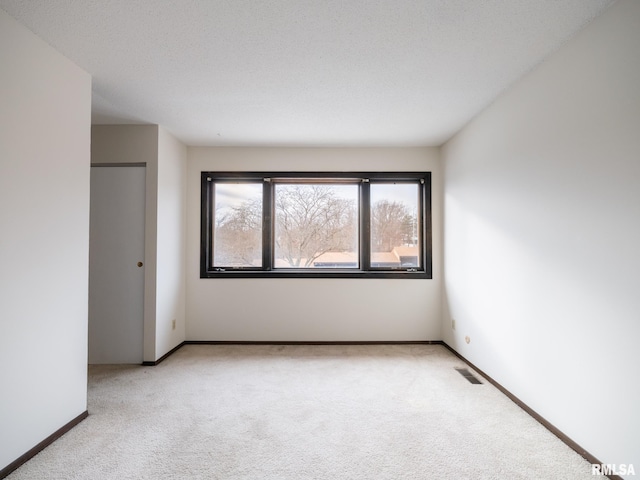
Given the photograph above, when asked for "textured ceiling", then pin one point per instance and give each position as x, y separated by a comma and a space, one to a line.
302, 72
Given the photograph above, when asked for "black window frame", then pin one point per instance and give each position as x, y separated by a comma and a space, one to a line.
270, 179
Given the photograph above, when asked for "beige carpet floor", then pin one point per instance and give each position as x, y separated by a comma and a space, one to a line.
302, 412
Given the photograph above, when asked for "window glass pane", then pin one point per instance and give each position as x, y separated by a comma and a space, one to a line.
237, 226
395, 225
316, 226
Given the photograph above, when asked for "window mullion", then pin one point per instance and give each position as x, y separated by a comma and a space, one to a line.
267, 224
365, 225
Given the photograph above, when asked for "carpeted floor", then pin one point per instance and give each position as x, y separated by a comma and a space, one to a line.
302, 412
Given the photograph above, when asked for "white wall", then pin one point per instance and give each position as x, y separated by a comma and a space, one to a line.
45, 104
290, 309
172, 234
542, 238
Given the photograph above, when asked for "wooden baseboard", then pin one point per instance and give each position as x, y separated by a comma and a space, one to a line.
548, 425
42, 445
164, 357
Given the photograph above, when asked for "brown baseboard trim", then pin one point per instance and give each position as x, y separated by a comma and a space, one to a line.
549, 426
164, 357
372, 342
42, 445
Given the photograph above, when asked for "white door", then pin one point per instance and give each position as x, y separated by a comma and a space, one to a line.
116, 269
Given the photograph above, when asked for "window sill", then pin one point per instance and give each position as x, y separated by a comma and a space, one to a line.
334, 273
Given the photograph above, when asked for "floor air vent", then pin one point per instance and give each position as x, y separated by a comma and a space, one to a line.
469, 376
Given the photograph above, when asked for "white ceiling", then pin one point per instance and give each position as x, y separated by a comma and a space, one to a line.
302, 72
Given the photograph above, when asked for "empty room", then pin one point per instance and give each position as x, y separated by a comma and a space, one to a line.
319, 239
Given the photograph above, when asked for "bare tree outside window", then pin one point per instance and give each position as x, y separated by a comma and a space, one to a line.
391, 225
314, 221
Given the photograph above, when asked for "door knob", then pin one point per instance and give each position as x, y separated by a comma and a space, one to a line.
140, 264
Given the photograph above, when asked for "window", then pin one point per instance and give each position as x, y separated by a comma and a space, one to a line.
237, 231
284, 224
